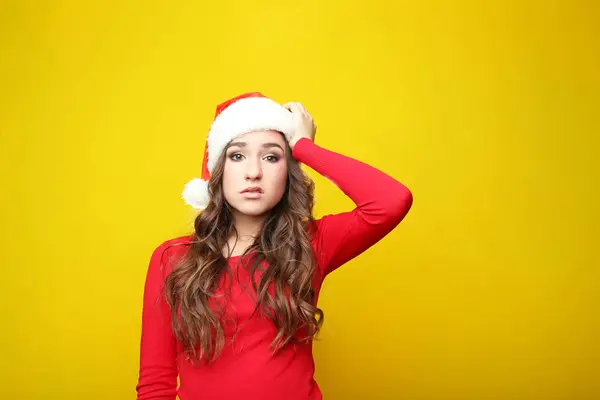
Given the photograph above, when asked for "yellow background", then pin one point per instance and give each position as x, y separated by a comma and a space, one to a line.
488, 111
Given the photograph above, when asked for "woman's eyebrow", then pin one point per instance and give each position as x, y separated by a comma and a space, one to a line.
269, 145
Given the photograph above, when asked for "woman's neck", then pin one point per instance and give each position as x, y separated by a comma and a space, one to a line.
248, 225
247, 229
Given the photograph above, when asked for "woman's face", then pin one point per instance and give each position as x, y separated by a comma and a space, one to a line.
255, 172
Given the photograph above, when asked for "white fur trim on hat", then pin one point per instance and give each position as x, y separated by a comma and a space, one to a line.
243, 116
196, 193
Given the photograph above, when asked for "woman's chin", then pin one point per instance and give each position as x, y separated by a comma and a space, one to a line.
252, 208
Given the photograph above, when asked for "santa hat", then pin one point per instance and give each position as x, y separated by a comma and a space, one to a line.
242, 114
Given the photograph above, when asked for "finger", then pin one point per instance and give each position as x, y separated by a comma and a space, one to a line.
292, 107
300, 108
305, 112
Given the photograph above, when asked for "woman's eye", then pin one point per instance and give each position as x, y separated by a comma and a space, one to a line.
272, 158
235, 156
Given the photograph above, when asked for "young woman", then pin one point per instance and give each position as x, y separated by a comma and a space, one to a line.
231, 310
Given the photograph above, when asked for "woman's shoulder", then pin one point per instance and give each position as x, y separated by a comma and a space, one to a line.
179, 241
168, 251
315, 227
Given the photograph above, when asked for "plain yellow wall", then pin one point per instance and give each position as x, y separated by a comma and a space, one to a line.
490, 289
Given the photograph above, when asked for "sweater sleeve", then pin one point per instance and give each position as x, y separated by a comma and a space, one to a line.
381, 204
158, 365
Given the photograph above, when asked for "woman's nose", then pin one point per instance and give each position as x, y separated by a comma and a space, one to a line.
253, 170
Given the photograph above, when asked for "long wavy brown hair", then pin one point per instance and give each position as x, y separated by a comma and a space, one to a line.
282, 255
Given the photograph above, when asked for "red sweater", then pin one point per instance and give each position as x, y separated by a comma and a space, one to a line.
245, 369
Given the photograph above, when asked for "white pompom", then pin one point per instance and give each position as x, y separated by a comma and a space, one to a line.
196, 193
